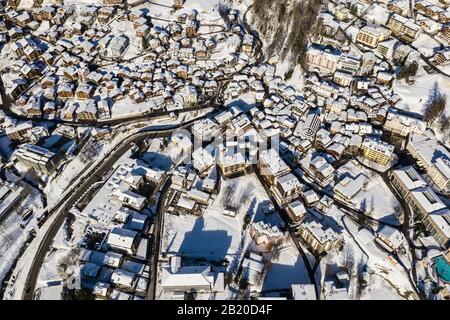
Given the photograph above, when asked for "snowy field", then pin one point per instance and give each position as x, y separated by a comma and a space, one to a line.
289, 268
414, 97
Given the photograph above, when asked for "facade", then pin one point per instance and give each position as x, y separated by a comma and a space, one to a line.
404, 28
323, 59
371, 36
20, 132
287, 188
403, 125
377, 150
40, 159
266, 234
424, 202
433, 158
271, 166
318, 237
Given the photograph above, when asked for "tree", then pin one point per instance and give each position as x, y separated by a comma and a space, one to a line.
229, 278
408, 70
83, 294
435, 106
243, 284
67, 294
190, 295
247, 220
444, 123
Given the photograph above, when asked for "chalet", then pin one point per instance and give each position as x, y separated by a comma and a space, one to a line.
23, 19
201, 51
69, 111
19, 132
191, 28
87, 111
113, 2
266, 234
178, 4
84, 91
30, 71
247, 44
65, 90
442, 57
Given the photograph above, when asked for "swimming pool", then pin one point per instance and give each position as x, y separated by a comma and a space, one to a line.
442, 268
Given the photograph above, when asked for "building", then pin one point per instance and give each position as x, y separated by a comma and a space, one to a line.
442, 57
117, 46
19, 132
390, 238
190, 96
38, 158
387, 48
310, 126
404, 28
266, 234
406, 179
87, 111
433, 212
247, 44
129, 198
319, 237
287, 188
376, 150
349, 187
303, 292
253, 268
271, 166
403, 125
232, 162
176, 278
296, 211
123, 240
424, 202
371, 36
433, 157
123, 279
323, 59
178, 4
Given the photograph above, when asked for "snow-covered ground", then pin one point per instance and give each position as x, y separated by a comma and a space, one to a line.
289, 268
414, 97
394, 275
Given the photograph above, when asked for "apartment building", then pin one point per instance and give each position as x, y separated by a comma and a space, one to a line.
376, 150
424, 202
287, 188
404, 28
323, 59
271, 166
371, 36
38, 158
403, 125
19, 132
433, 157
319, 237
